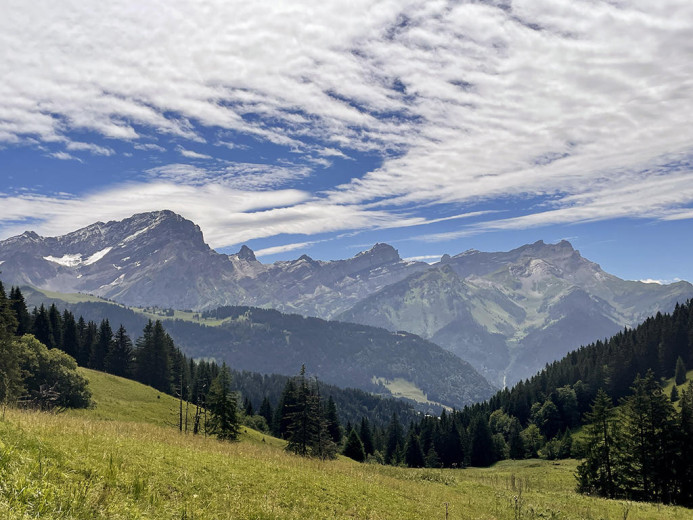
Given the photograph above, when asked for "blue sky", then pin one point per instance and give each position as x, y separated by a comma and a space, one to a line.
322, 129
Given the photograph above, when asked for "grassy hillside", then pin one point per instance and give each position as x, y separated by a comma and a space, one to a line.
117, 461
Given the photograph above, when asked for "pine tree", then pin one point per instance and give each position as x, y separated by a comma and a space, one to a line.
413, 456
596, 474
70, 335
11, 384
100, 348
303, 427
266, 410
56, 327
684, 464
119, 357
647, 441
395, 441
152, 357
42, 327
674, 395
18, 306
680, 372
354, 447
333, 427
223, 407
366, 436
481, 445
516, 447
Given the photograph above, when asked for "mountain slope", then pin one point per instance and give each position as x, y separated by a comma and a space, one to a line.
161, 259
509, 313
343, 354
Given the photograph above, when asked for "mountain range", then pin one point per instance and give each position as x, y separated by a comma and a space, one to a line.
507, 313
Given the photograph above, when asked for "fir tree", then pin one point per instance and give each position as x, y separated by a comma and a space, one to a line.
223, 407
18, 306
366, 436
100, 348
481, 442
596, 474
119, 357
674, 395
333, 427
413, 456
70, 335
395, 441
680, 372
266, 410
354, 447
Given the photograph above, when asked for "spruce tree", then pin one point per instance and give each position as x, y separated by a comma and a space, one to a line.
394, 442
413, 456
56, 327
366, 436
42, 327
333, 427
70, 335
597, 473
18, 306
481, 442
119, 357
354, 447
223, 407
266, 410
680, 372
11, 377
100, 348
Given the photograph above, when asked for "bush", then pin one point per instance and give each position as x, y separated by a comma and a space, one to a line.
44, 368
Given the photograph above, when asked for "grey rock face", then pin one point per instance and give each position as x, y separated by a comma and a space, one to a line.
161, 259
510, 313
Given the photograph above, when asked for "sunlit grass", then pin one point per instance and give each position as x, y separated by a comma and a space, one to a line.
121, 461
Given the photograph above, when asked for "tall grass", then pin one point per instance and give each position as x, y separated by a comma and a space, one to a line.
95, 464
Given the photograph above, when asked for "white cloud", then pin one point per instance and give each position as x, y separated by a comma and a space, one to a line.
190, 154
430, 259
64, 156
586, 102
268, 251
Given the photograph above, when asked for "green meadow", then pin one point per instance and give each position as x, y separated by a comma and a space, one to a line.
124, 459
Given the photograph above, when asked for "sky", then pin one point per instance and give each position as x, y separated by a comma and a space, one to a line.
322, 128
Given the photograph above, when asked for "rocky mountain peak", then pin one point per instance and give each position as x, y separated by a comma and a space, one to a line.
380, 253
246, 254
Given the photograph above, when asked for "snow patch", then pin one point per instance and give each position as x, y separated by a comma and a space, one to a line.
97, 256
66, 260
135, 235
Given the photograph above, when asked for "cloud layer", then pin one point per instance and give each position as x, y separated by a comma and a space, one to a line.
583, 103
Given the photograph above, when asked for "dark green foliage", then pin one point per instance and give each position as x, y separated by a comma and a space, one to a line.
152, 357
50, 369
99, 351
11, 378
266, 410
516, 448
42, 327
354, 447
680, 372
223, 407
674, 395
118, 360
481, 442
413, 456
306, 427
333, 428
596, 474
395, 441
70, 335
21, 313
366, 436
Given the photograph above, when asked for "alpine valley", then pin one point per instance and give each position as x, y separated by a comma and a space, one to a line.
506, 313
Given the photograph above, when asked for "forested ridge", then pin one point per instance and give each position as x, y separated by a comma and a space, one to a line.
155, 360
637, 441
